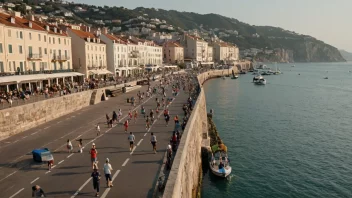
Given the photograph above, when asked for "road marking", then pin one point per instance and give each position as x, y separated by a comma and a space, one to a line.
70, 155
16, 193
47, 172
124, 164
61, 161
8, 175
134, 148
108, 189
15, 141
34, 180
46, 127
24, 137
73, 116
145, 134
34, 133
53, 166
139, 142
85, 183
58, 122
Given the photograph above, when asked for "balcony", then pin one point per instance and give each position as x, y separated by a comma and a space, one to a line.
96, 67
134, 54
60, 58
35, 57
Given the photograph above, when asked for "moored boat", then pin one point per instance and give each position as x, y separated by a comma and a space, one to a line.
220, 164
260, 82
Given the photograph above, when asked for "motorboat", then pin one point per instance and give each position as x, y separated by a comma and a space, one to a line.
258, 77
326, 78
223, 170
260, 82
266, 73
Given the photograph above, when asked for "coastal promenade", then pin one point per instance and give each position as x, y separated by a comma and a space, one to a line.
134, 174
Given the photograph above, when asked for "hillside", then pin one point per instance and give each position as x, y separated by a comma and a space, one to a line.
346, 55
299, 48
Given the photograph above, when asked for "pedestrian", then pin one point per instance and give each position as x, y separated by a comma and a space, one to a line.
80, 145
93, 155
153, 141
96, 180
107, 172
69, 146
131, 139
50, 164
126, 125
107, 118
135, 116
37, 191
98, 129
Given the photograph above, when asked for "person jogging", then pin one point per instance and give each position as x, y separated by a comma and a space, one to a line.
147, 123
96, 180
98, 129
93, 156
107, 172
69, 146
135, 115
153, 141
131, 139
126, 124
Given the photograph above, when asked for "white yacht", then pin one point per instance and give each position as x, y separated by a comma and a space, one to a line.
260, 82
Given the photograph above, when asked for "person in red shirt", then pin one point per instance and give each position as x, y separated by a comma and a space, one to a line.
93, 155
126, 126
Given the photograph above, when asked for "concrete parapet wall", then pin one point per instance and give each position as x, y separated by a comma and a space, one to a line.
17, 119
184, 174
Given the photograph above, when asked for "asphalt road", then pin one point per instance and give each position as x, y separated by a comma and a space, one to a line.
134, 174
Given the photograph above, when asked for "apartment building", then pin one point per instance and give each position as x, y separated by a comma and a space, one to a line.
173, 53
147, 52
24, 45
197, 50
117, 54
88, 52
225, 52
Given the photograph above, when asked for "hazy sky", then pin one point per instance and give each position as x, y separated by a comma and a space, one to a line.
327, 20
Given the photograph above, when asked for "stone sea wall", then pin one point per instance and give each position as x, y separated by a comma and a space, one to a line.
21, 118
183, 180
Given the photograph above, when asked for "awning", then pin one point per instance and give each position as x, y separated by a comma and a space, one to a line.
170, 66
35, 77
122, 68
100, 71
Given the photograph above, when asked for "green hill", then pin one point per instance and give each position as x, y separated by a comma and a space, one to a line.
305, 48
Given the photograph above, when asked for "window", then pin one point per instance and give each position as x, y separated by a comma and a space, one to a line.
59, 40
30, 36
10, 49
45, 51
1, 51
44, 38
65, 41
9, 33
21, 35
20, 50
53, 40
9, 65
17, 35
49, 40
39, 37
40, 50
33, 66
2, 67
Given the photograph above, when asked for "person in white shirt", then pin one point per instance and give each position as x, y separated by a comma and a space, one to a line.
131, 138
107, 172
98, 129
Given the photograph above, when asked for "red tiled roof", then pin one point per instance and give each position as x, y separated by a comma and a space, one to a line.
84, 35
115, 38
173, 44
19, 22
51, 29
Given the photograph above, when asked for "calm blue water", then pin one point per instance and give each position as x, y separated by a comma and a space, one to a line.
289, 138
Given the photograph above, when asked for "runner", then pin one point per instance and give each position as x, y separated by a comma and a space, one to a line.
151, 116
143, 111
114, 116
135, 116
131, 138
98, 129
50, 164
93, 156
80, 145
107, 172
147, 123
167, 119
120, 115
96, 180
69, 146
126, 125
153, 141
129, 115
